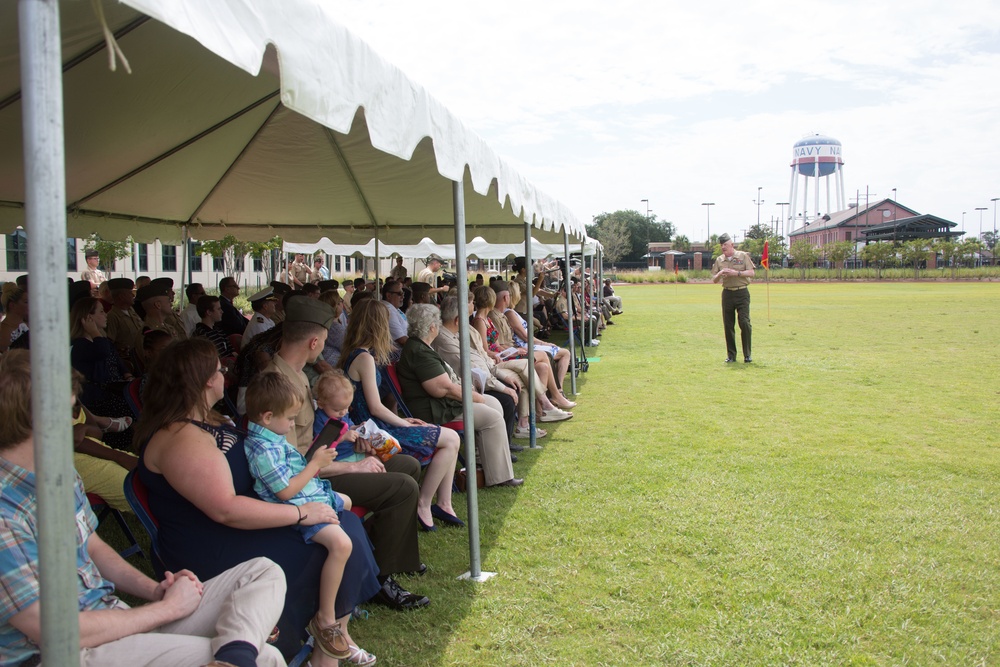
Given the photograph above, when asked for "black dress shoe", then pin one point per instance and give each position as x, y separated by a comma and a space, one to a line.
748, 360
514, 481
419, 572
730, 360
516, 448
396, 597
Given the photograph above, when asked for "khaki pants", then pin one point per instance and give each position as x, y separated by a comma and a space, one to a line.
520, 366
241, 604
492, 446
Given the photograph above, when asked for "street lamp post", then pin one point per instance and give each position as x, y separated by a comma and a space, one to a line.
980, 237
894, 204
994, 248
708, 218
758, 201
963, 222
646, 201
783, 204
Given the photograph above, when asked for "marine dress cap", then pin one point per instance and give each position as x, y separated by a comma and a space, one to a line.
304, 309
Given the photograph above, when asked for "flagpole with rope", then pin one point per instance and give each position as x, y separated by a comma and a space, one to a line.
765, 262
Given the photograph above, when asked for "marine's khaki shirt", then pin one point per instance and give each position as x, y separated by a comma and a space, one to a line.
740, 261
300, 272
124, 326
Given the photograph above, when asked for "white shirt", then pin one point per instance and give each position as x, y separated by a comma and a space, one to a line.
258, 324
190, 318
397, 323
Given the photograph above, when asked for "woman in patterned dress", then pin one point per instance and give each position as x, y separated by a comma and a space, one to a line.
364, 356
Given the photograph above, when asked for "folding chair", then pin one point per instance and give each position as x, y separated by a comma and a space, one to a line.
137, 496
138, 499
102, 510
133, 397
397, 393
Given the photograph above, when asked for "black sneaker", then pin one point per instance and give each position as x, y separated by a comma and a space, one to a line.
394, 596
730, 360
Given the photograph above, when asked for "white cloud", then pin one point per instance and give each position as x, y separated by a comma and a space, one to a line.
605, 104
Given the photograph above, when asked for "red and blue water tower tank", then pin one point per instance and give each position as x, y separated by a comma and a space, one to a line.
817, 156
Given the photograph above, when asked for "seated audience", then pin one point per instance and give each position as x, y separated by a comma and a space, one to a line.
200, 489
282, 475
233, 321
389, 490
95, 357
392, 300
500, 379
489, 325
559, 356
365, 355
124, 324
101, 468
434, 395
335, 338
14, 301
223, 621
190, 316
264, 304
208, 326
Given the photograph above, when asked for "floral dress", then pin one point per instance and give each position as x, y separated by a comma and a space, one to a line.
420, 442
491, 335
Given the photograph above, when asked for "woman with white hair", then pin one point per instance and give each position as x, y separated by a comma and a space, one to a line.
432, 393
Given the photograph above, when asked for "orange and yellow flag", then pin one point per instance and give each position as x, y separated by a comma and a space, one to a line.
763, 258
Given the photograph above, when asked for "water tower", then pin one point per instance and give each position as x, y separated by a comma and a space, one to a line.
816, 158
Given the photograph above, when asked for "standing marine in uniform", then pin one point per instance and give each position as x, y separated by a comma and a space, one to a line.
734, 269
93, 274
299, 272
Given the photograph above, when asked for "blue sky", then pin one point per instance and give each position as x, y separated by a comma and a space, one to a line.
602, 104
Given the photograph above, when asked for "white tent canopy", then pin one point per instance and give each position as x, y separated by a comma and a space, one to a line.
253, 118
205, 133
477, 247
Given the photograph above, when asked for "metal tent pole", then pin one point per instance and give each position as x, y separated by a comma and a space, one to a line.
569, 312
185, 264
471, 488
530, 321
45, 222
599, 274
378, 292
584, 313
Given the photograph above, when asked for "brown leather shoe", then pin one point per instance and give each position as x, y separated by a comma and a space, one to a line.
330, 639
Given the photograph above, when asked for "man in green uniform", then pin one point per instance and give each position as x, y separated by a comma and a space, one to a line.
734, 269
124, 325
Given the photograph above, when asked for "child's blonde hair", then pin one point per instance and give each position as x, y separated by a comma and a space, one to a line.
272, 392
333, 383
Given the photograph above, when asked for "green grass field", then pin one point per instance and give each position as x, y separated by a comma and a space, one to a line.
833, 503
